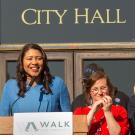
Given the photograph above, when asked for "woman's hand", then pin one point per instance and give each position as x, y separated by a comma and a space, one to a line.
97, 105
94, 108
107, 103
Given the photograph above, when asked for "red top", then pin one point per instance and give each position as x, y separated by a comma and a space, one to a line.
99, 125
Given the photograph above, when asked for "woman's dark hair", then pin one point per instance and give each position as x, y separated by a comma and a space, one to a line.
89, 82
45, 76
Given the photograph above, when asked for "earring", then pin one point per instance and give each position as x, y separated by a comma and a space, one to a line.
91, 101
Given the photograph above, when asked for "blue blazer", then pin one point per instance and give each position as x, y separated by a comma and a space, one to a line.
35, 100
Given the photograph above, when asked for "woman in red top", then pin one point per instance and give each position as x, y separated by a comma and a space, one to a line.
103, 118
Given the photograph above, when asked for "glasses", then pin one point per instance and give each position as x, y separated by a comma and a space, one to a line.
101, 89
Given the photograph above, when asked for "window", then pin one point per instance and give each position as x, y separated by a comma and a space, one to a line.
119, 65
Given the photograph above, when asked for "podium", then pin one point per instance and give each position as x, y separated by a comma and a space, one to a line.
79, 125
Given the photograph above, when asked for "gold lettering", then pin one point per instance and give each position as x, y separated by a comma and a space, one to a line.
108, 17
38, 17
61, 16
97, 15
118, 17
26, 12
48, 12
47, 15
77, 15
33, 16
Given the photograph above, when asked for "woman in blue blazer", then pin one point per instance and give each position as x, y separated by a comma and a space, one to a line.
34, 89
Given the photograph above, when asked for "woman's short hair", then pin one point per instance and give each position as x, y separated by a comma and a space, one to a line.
94, 74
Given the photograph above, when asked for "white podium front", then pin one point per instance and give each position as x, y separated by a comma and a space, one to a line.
43, 123
79, 125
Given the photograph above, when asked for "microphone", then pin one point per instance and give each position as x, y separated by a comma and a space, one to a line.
28, 88
42, 92
41, 96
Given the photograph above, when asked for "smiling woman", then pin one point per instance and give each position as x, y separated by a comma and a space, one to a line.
34, 89
33, 62
103, 117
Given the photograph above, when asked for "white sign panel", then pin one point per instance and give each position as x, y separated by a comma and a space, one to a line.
47, 123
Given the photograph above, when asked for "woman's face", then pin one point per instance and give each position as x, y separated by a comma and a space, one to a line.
99, 90
33, 62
